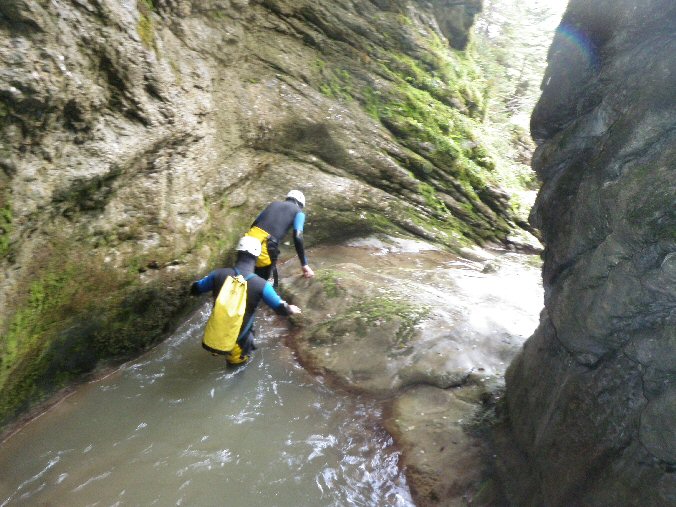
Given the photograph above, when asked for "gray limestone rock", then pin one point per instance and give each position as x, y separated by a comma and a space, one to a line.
139, 139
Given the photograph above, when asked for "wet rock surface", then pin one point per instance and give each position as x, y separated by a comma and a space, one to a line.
428, 333
140, 139
590, 400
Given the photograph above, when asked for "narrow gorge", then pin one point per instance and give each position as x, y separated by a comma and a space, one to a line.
139, 139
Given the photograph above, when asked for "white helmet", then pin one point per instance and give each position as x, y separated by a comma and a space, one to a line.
297, 195
250, 245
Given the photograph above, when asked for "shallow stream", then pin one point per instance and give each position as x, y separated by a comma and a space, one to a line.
176, 427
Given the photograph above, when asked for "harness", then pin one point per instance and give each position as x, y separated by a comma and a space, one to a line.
271, 249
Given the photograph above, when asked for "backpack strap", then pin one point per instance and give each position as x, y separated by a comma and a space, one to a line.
247, 277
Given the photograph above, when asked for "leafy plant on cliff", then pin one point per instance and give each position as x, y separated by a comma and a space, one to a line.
511, 39
5, 228
145, 27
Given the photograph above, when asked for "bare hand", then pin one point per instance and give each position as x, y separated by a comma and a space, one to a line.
307, 272
294, 310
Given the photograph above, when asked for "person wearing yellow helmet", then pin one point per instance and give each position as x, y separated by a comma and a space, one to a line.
270, 227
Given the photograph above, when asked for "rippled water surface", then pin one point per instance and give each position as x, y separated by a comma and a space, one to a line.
176, 427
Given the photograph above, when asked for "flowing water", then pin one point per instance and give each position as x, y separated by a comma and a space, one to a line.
176, 427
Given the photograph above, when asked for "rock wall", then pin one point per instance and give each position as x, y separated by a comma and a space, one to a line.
591, 402
140, 138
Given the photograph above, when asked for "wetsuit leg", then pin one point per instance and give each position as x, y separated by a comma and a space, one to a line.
273, 252
247, 344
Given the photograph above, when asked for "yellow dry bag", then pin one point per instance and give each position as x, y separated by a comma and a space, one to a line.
226, 318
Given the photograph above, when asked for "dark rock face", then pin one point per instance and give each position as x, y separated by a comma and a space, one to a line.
455, 18
591, 399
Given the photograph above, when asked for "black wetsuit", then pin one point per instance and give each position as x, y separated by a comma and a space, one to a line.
276, 220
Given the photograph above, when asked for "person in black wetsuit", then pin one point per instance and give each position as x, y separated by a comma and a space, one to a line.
248, 250
270, 228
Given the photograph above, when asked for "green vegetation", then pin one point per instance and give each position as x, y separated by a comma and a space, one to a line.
431, 198
430, 112
25, 346
329, 280
381, 309
145, 28
450, 77
511, 39
333, 82
146, 31
76, 312
374, 312
434, 106
404, 20
456, 122
446, 156
5, 228
217, 14
510, 43
337, 85
371, 102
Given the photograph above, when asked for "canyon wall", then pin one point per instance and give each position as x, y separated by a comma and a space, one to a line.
591, 402
139, 139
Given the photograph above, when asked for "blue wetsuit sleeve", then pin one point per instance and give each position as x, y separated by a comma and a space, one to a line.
298, 222
272, 299
206, 284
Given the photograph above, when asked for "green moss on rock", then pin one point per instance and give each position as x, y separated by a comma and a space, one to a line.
370, 312
78, 311
5, 228
144, 27
329, 280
